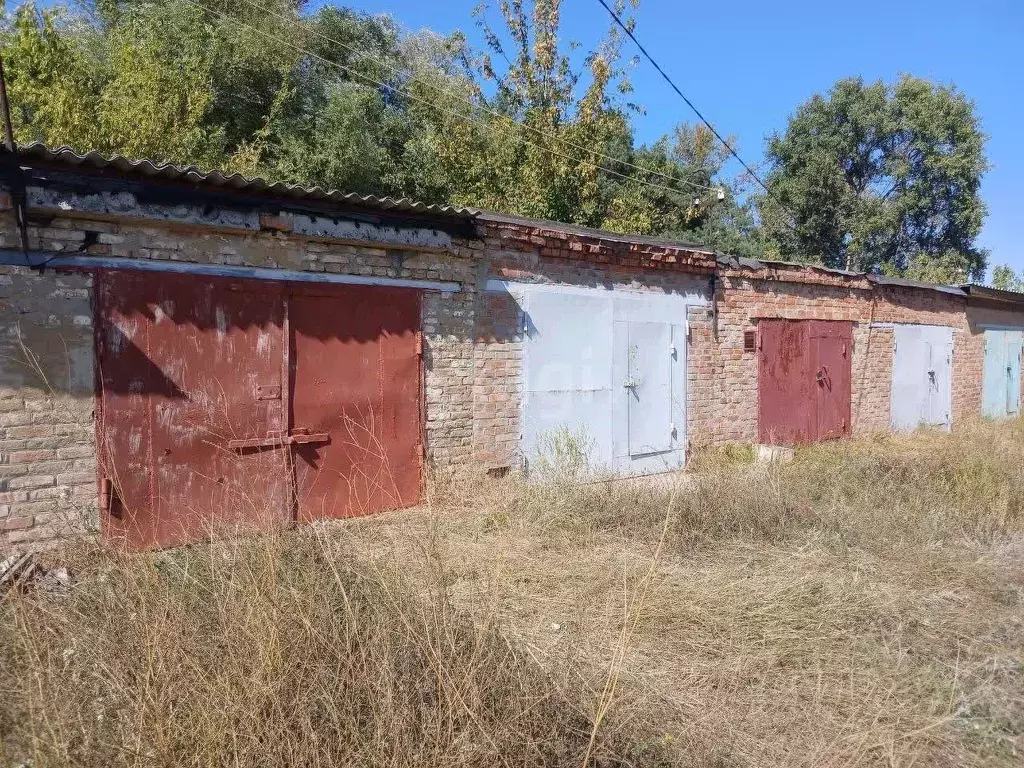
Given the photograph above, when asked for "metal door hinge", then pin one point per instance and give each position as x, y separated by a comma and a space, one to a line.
419, 344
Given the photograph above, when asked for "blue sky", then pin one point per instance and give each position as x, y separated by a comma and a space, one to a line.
747, 64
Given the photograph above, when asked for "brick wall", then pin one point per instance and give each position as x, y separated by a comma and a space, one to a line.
47, 447
746, 295
497, 382
473, 341
577, 247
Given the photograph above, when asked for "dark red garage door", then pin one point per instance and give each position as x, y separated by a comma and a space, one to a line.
227, 404
804, 377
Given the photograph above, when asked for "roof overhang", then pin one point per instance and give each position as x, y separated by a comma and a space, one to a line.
988, 296
169, 184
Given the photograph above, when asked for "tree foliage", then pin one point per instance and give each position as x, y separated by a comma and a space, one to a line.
879, 177
882, 178
1006, 279
531, 124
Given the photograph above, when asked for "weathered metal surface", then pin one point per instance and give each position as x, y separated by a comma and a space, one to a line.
784, 386
576, 360
804, 380
994, 395
940, 376
921, 376
650, 357
211, 419
568, 372
830, 353
910, 379
1001, 374
355, 377
1014, 344
180, 364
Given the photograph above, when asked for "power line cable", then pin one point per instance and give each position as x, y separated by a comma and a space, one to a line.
690, 104
408, 95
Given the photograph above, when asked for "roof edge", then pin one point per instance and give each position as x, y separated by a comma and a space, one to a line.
220, 181
988, 293
729, 261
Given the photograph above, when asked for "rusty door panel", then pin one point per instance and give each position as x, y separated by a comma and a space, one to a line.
186, 366
804, 380
785, 396
355, 377
830, 344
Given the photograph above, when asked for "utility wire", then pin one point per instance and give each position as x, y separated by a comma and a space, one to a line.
690, 104
408, 95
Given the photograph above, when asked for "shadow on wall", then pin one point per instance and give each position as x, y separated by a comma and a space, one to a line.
49, 358
354, 312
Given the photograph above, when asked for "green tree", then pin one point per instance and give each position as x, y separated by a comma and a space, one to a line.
355, 112
348, 100
167, 81
1005, 279
690, 201
877, 177
541, 156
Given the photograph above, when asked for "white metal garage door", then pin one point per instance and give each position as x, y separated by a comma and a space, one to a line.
609, 369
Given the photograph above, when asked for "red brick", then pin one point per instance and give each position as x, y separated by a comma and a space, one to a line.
16, 523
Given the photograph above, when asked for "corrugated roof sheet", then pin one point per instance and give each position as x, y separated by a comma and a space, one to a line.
904, 282
232, 181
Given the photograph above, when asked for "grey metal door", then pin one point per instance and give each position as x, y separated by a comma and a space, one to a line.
650, 357
921, 377
940, 377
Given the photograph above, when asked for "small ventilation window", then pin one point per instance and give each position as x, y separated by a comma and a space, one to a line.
750, 341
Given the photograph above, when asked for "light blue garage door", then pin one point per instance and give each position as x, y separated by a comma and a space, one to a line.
1001, 386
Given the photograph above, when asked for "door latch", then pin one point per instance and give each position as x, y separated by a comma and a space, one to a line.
299, 436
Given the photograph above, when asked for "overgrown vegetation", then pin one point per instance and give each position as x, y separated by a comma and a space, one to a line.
858, 606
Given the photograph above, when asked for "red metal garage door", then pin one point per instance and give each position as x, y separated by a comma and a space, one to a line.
356, 378
217, 399
804, 376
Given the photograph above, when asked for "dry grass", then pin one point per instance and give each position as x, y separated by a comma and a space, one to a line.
859, 606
